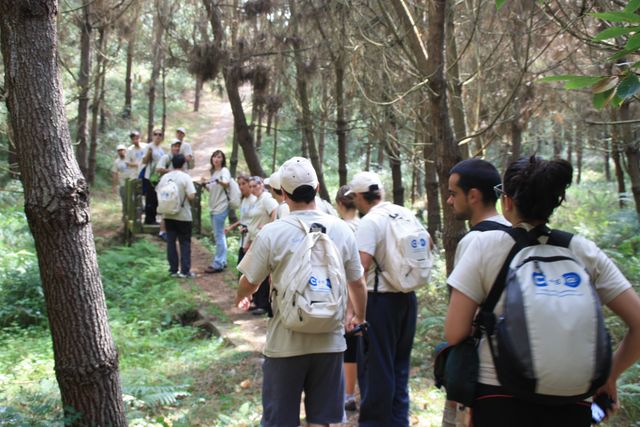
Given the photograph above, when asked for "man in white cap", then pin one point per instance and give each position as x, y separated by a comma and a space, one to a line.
297, 362
276, 191
120, 172
383, 375
185, 147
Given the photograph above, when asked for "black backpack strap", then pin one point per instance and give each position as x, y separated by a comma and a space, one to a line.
489, 225
485, 320
560, 238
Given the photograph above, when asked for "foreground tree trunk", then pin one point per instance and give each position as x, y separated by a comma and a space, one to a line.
57, 209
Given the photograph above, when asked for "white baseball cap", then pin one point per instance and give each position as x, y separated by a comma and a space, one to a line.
296, 172
363, 182
176, 141
183, 130
120, 147
274, 180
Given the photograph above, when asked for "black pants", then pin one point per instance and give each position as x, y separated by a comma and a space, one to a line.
181, 231
150, 202
494, 407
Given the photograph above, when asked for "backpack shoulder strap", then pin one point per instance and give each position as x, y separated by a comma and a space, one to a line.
522, 240
488, 225
560, 238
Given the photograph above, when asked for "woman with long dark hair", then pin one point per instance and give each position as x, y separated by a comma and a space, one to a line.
531, 190
218, 187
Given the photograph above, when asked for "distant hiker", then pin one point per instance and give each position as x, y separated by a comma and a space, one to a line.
164, 165
135, 153
348, 213
185, 148
120, 172
246, 204
152, 156
324, 206
219, 187
260, 214
472, 199
276, 191
296, 361
559, 289
178, 218
383, 365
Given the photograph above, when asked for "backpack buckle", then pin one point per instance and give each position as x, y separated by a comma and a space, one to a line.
485, 322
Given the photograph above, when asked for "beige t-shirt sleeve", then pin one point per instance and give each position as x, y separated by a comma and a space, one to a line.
255, 264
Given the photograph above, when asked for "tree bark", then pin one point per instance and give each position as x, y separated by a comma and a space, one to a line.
454, 83
579, 147
393, 153
306, 119
84, 86
96, 103
431, 65
633, 155
196, 102
158, 51
341, 123
131, 46
57, 208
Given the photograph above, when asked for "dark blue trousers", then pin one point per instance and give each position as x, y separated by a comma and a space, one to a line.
384, 358
180, 231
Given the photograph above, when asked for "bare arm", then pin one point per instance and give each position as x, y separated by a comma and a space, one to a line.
357, 308
457, 325
191, 196
627, 307
245, 290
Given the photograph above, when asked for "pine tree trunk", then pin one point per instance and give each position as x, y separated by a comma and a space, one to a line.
158, 31
196, 102
454, 84
57, 208
341, 123
633, 155
84, 86
96, 104
393, 153
306, 119
579, 147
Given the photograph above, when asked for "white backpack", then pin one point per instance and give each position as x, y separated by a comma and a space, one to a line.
169, 202
233, 194
408, 261
313, 299
550, 345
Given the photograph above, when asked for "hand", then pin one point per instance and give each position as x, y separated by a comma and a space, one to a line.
352, 321
243, 303
203, 180
226, 230
610, 389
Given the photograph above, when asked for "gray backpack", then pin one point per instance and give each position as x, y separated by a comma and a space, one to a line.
550, 345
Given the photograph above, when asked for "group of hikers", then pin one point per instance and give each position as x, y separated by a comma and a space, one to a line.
525, 332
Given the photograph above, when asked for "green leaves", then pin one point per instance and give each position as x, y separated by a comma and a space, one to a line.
618, 17
500, 3
613, 32
607, 90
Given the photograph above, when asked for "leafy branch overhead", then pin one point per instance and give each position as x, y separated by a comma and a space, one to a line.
623, 83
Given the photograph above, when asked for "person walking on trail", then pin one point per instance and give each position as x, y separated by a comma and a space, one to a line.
246, 204
276, 192
164, 166
383, 372
185, 148
119, 173
134, 155
349, 214
179, 224
261, 213
531, 190
295, 361
472, 199
218, 187
152, 156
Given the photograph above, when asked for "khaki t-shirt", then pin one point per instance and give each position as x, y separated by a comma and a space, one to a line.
478, 268
185, 187
278, 240
135, 155
260, 213
218, 200
120, 167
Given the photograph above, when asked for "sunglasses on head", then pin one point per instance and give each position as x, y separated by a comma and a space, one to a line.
498, 191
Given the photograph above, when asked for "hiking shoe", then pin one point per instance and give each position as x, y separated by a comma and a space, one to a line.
174, 274
189, 275
350, 404
211, 270
259, 312
163, 235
